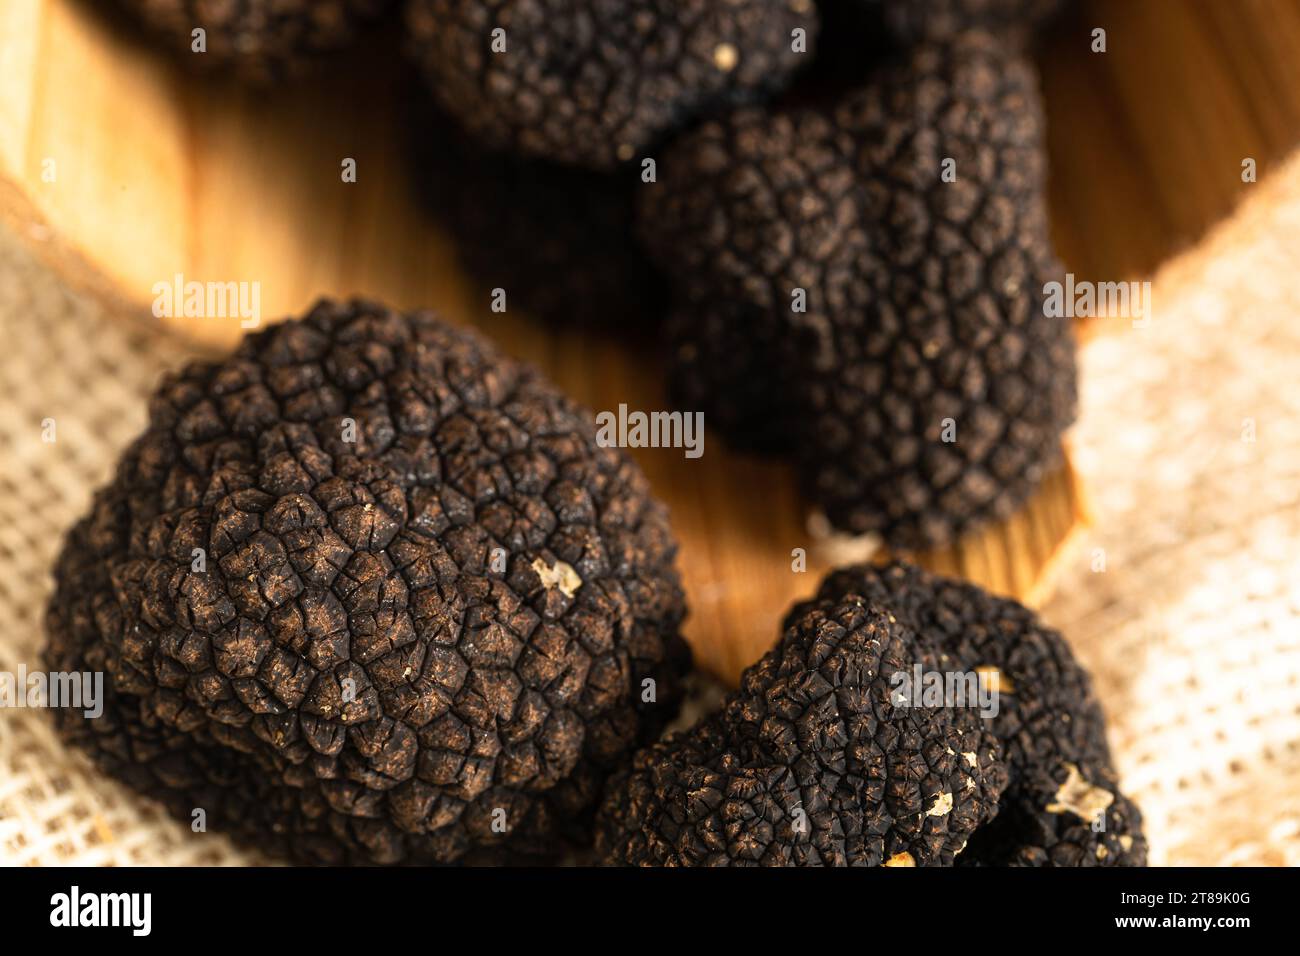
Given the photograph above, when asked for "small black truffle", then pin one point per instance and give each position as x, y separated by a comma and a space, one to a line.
594, 83
818, 760
257, 40
558, 240
912, 21
811, 765
1062, 805
725, 364
880, 266
369, 591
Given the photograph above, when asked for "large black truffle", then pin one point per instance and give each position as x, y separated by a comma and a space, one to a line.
822, 759
594, 83
368, 591
880, 264
258, 40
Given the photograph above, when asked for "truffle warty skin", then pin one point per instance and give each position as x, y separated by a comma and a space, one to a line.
859, 286
368, 591
256, 40
594, 83
821, 759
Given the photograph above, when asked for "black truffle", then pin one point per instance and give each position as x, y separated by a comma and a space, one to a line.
1049, 722
258, 40
368, 591
594, 83
885, 257
914, 20
558, 240
818, 760
725, 364
810, 764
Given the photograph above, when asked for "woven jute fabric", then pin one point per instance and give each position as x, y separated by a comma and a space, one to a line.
74, 383
1183, 597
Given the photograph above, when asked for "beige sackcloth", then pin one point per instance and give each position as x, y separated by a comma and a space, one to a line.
1183, 598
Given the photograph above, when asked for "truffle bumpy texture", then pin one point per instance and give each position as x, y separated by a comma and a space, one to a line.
817, 760
257, 39
593, 83
861, 287
383, 649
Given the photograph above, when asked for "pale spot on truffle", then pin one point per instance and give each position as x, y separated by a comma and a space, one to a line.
725, 57
560, 575
942, 805
1079, 797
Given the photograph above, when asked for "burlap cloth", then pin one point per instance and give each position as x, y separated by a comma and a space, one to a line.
1192, 629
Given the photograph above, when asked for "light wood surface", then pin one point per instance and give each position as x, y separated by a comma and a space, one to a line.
1147, 140
158, 173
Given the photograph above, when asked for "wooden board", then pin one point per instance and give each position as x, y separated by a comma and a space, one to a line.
1147, 139
158, 173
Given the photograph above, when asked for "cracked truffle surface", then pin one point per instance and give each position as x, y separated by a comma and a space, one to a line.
898, 317
812, 763
257, 39
1049, 722
594, 83
369, 591
817, 726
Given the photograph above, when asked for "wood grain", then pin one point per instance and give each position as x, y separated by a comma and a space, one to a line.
1147, 140
159, 173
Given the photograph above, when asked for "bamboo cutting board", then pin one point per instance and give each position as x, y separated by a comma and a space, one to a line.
125, 172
